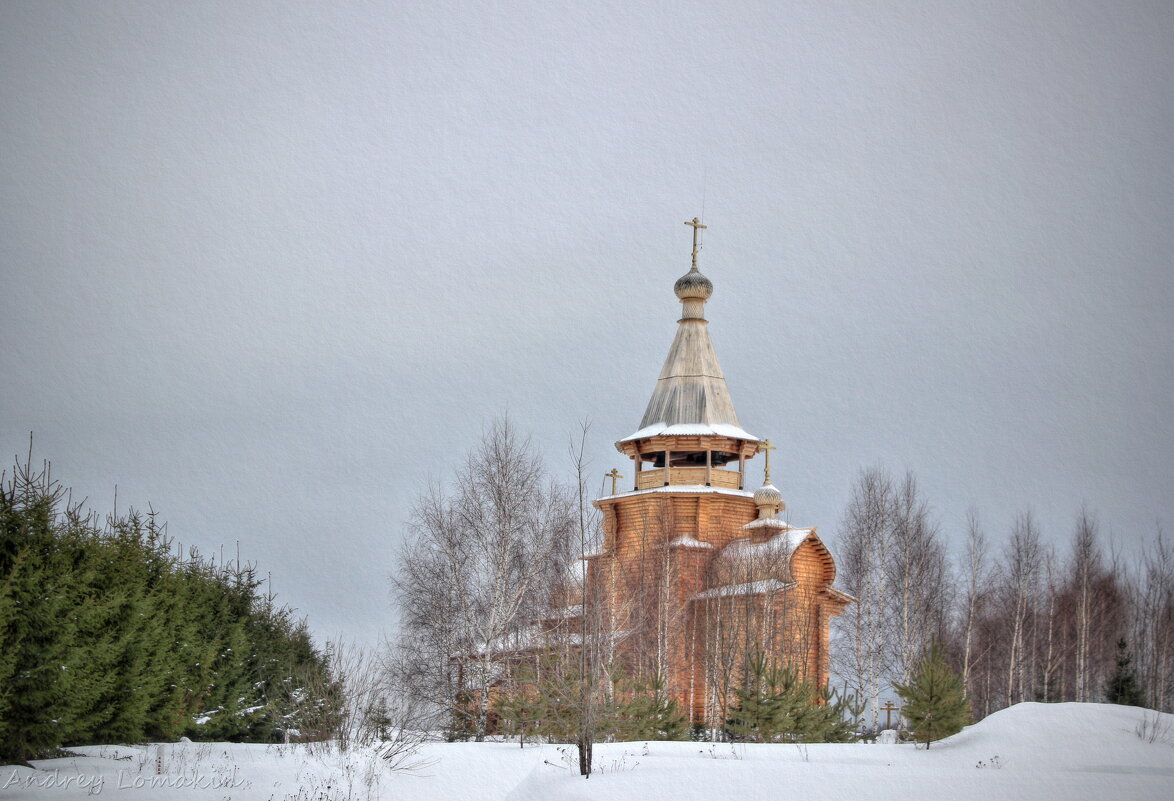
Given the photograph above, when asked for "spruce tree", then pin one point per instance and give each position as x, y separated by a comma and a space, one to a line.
105, 637
43, 691
1122, 686
9, 610
935, 704
100, 595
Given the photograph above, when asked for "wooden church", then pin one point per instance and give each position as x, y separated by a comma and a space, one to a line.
695, 570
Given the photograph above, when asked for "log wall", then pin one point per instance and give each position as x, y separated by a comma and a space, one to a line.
648, 577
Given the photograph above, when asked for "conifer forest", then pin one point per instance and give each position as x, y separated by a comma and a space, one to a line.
108, 635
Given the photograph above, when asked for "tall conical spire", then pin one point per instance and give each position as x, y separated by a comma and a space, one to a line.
691, 389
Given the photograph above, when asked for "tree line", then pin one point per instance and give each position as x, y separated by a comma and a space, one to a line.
1019, 620
491, 586
107, 635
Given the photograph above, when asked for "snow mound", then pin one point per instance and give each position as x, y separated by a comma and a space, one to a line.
1086, 737
1064, 752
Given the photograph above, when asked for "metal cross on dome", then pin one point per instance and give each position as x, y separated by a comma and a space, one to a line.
696, 223
613, 475
766, 448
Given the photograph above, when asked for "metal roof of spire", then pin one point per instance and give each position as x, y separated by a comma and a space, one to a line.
691, 396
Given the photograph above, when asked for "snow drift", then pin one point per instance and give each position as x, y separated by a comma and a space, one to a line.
1064, 752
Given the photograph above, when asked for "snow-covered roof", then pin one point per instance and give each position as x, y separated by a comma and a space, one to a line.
742, 560
688, 542
562, 612
523, 639
842, 595
746, 588
662, 429
766, 522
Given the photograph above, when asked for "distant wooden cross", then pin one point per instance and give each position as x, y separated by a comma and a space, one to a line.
696, 223
766, 448
614, 475
889, 709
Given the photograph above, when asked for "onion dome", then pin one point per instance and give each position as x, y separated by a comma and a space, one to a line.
693, 285
769, 501
768, 495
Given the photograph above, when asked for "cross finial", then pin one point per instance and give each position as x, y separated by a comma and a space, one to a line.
696, 223
766, 448
614, 475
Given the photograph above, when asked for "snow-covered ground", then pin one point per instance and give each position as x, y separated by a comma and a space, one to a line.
1031, 751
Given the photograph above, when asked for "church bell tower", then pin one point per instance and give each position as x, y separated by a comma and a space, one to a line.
685, 537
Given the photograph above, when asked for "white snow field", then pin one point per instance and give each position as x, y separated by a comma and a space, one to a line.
1063, 752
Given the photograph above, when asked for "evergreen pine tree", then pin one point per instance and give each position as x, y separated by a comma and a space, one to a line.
1122, 686
9, 609
644, 711
104, 637
521, 710
40, 640
935, 704
167, 637
100, 594
229, 703
556, 708
840, 713
758, 713
777, 705
515, 711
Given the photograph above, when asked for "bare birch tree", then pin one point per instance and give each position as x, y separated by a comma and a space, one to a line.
863, 546
1085, 566
1052, 651
977, 575
893, 561
592, 631
1152, 613
915, 573
1021, 571
481, 561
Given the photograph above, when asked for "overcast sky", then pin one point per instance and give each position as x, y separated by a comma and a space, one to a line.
270, 266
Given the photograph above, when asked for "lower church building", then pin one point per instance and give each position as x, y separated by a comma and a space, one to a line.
696, 571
